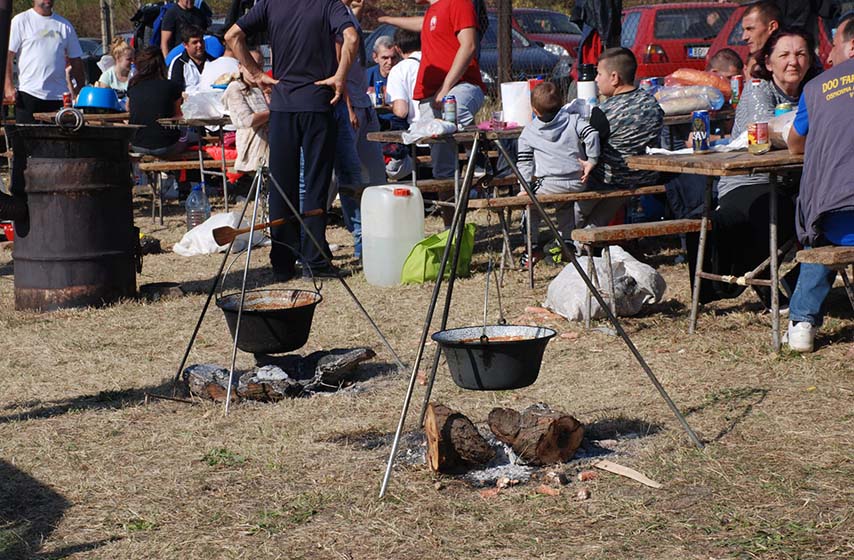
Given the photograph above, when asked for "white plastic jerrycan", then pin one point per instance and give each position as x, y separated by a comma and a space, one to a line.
392, 223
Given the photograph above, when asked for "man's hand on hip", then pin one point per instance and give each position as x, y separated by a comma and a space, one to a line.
336, 83
264, 82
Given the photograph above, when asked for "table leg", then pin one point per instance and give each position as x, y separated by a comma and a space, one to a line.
414, 151
775, 272
506, 253
701, 254
224, 167
529, 247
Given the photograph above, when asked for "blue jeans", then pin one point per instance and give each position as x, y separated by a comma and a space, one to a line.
358, 163
807, 303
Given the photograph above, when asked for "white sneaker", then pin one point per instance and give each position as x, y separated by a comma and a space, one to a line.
801, 336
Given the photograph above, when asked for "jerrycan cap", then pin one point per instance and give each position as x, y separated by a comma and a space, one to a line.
399, 191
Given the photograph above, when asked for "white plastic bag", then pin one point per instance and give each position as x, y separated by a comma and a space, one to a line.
203, 105
427, 128
635, 284
200, 241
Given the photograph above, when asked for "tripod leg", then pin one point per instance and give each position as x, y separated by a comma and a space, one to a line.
256, 185
459, 213
240, 304
462, 203
611, 317
322, 251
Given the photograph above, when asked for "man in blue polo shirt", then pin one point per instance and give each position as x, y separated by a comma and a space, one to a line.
308, 80
825, 213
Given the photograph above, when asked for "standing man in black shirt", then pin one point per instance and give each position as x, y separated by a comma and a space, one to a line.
183, 14
308, 80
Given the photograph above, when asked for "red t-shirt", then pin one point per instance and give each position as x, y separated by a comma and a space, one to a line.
439, 46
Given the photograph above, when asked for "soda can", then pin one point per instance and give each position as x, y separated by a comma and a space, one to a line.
646, 84
700, 127
379, 93
758, 141
736, 83
67, 99
782, 109
449, 109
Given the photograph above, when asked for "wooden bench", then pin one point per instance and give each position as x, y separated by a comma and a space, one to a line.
507, 203
603, 236
834, 256
442, 186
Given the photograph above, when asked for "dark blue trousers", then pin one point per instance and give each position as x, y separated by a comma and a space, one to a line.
316, 134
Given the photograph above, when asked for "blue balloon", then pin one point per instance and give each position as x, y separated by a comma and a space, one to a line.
212, 46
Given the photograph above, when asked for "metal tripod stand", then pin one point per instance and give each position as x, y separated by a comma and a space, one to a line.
255, 195
453, 246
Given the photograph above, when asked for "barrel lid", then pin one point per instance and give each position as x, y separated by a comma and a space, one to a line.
401, 191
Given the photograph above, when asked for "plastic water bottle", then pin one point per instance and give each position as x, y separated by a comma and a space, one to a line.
198, 207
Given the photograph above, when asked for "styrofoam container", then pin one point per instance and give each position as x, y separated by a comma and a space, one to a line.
392, 223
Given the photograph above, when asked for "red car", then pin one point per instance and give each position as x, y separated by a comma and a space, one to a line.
666, 37
554, 30
730, 37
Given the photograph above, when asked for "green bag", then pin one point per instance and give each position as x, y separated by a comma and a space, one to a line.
422, 264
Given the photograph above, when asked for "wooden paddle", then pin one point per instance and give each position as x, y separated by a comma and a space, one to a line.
225, 234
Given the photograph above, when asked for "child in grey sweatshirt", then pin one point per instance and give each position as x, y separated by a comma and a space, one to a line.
560, 148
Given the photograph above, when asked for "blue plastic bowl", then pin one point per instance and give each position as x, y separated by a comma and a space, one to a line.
97, 98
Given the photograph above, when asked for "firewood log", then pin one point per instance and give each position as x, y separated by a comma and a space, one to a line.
539, 435
453, 442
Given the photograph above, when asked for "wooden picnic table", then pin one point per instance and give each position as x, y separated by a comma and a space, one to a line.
727, 164
462, 137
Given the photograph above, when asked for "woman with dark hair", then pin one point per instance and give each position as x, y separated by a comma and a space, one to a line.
150, 97
739, 242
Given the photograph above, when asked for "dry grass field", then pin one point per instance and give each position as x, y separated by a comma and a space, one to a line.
90, 468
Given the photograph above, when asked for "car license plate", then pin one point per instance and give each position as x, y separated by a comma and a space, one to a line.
698, 52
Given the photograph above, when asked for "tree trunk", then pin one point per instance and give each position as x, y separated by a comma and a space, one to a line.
453, 442
539, 435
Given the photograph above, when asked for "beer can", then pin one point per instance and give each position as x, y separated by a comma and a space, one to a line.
782, 109
736, 83
758, 141
700, 127
449, 109
67, 99
379, 93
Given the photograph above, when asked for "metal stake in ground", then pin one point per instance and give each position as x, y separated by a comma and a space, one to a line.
606, 308
241, 301
322, 251
457, 225
256, 184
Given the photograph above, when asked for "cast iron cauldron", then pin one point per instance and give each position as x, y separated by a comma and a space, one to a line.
509, 358
273, 321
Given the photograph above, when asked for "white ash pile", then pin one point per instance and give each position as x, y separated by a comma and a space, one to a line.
276, 378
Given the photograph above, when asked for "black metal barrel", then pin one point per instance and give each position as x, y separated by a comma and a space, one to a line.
79, 246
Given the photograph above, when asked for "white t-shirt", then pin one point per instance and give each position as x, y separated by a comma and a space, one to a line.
216, 68
42, 43
401, 83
